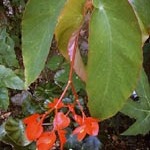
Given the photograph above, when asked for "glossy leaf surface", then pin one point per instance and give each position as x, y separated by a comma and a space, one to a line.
140, 110
4, 99
39, 21
9, 79
15, 130
5, 138
115, 57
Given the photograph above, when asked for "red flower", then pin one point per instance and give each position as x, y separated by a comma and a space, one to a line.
62, 137
89, 126
46, 140
61, 121
71, 108
31, 118
55, 105
80, 132
78, 119
34, 127
92, 127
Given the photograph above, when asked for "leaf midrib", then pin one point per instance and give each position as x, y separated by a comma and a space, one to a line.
106, 19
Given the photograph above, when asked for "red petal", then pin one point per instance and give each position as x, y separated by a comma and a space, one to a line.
90, 119
62, 137
61, 121
78, 119
71, 108
93, 129
31, 118
46, 141
33, 130
53, 104
80, 132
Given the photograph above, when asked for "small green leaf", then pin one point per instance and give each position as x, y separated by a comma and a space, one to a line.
114, 58
61, 77
54, 62
47, 91
9, 79
139, 110
7, 53
39, 21
4, 98
31, 106
16, 132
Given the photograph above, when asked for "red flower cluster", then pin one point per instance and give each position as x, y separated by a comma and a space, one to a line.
46, 139
87, 125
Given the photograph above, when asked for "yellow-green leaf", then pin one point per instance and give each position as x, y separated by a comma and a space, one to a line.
142, 11
70, 20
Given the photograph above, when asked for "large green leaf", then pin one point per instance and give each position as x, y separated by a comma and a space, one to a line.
142, 11
115, 56
70, 21
4, 99
16, 132
39, 21
139, 110
9, 79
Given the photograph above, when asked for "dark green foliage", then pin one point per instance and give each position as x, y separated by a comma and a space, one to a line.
4, 98
7, 53
61, 78
139, 110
